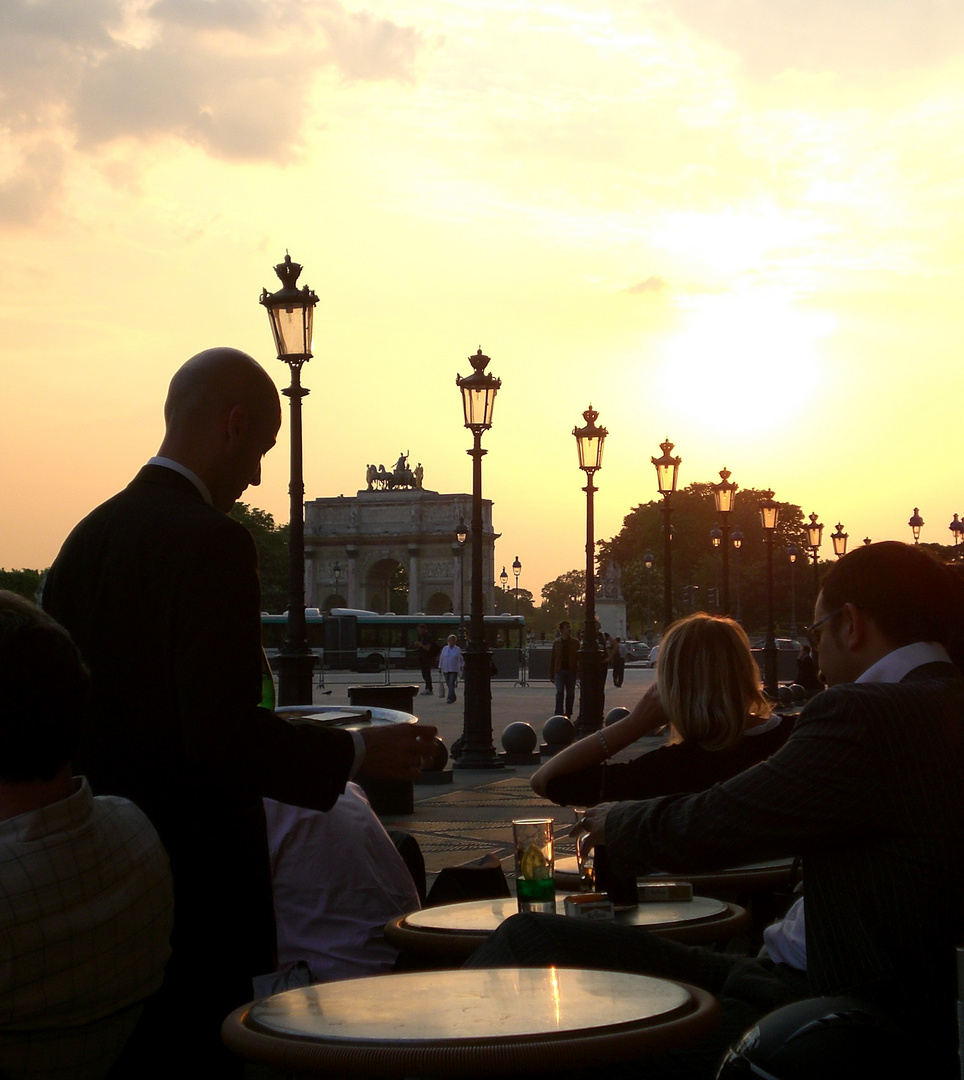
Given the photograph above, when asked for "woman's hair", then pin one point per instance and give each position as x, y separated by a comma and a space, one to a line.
709, 685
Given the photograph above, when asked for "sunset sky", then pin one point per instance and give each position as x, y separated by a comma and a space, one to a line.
733, 222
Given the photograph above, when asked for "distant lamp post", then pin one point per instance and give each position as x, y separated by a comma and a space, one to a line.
478, 400
461, 535
716, 539
723, 495
290, 311
839, 539
793, 553
648, 562
916, 523
769, 515
336, 574
957, 529
667, 473
503, 581
814, 540
737, 540
517, 570
590, 440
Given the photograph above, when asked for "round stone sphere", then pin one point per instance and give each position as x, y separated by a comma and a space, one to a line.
615, 714
439, 758
519, 738
784, 695
798, 692
558, 731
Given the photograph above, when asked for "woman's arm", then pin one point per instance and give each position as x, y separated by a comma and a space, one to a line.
647, 716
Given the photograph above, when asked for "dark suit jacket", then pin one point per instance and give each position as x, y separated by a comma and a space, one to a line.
161, 593
870, 790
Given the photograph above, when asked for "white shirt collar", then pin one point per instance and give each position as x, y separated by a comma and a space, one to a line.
895, 665
176, 466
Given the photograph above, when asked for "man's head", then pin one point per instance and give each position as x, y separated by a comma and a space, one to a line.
43, 693
565, 629
876, 599
221, 416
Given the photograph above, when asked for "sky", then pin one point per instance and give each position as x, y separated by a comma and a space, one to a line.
733, 223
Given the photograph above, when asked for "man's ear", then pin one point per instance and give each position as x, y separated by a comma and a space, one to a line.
853, 627
236, 423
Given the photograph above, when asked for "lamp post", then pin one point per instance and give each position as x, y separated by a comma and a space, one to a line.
814, 540
290, 311
737, 541
723, 495
839, 539
590, 440
957, 528
916, 523
667, 473
503, 581
461, 534
793, 553
517, 570
716, 540
648, 561
769, 515
478, 399
336, 574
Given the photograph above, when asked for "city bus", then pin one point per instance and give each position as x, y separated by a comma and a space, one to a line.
348, 639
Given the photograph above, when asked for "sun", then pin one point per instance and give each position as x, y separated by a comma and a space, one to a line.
743, 362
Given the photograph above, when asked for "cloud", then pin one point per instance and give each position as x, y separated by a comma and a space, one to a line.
33, 181
856, 36
651, 285
232, 77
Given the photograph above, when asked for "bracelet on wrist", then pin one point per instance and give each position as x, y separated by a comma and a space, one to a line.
605, 745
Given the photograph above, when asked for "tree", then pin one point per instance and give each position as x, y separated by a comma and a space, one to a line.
24, 583
271, 540
563, 598
696, 563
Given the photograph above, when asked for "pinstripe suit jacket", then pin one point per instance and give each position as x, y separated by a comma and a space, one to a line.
870, 790
160, 591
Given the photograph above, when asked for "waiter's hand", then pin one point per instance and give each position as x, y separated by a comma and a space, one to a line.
593, 824
397, 751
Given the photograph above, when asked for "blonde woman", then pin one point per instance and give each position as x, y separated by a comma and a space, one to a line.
708, 690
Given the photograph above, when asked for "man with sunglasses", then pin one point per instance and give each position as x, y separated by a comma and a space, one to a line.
867, 789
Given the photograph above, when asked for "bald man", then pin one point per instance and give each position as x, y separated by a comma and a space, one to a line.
159, 588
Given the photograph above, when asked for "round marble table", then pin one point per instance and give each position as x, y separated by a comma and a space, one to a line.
469, 1023
455, 931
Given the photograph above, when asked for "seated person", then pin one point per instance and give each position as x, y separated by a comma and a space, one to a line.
85, 888
337, 879
708, 690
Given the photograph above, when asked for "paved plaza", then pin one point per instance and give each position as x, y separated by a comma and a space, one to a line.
473, 815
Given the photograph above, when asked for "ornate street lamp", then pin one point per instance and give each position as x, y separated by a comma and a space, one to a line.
503, 581
737, 541
723, 495
716, 540
769, 515
916, 523
517, 570
667, 473
793, 553
478, 399
461, 535
814, 540
839, 539
957, 529
590, 440
290, 311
